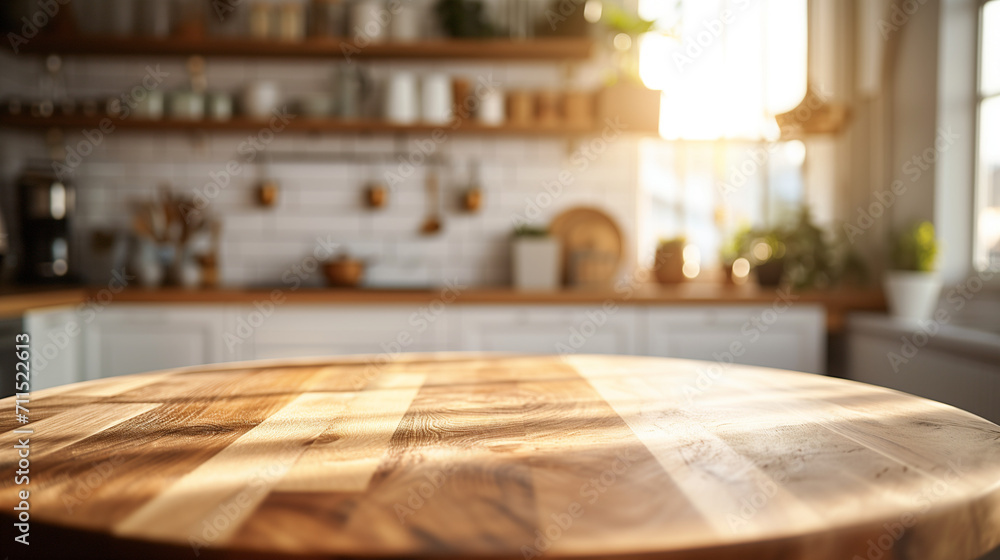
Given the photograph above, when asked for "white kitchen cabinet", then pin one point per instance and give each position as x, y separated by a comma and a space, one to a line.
125, 338
794, 338
296, 331
551, 329
55, 342
955, 365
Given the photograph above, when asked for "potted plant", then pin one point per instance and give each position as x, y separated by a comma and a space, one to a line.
912, 287
809, 257
669, 265
767, 256
536, 259
798, 252
765, 249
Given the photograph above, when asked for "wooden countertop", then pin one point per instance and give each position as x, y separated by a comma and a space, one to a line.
16, 302
650, 294
466, 456
837, 302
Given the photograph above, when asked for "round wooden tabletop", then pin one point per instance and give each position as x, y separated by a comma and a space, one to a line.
502, 456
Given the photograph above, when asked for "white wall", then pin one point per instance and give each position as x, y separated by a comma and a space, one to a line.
914, 108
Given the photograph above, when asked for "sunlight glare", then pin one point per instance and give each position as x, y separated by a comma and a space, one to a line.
725, 76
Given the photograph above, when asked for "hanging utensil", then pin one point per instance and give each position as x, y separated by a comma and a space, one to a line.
267, 193
268, 189
432, 224
472, 196
376, 194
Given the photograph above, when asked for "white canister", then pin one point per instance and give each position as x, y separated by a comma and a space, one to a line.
220, 106
317, 105
405, 24
146, 264
436, 99
187, 106
491, 110
401, 105
261, 99
186, 272
369, 21
150, 107
536, 263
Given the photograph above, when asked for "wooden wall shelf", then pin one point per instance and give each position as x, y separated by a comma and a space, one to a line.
298, 124
550, 49
479, 49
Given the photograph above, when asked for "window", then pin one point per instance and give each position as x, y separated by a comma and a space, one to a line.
726, 68
987, 243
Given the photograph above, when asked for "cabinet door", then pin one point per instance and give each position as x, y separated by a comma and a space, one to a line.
128, 339
55, 339
972, 381
792, 339
293, 331
546, 330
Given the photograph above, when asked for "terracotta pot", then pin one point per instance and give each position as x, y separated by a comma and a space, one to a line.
344, 272
520, 108
669, 266
578, 108
547, 108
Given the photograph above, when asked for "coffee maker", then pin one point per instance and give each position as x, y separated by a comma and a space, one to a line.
45, 207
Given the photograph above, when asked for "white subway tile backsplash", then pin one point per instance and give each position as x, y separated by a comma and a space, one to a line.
336, 224
310, 201
241, 224
364, 249
234, 271
402, 222
549, 151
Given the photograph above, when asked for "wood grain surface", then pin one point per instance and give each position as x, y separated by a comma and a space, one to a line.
501, 456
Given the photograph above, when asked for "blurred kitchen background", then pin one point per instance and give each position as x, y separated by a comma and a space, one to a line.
290, 178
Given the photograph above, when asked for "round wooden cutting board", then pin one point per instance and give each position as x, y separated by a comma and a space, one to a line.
515, 457
592, 246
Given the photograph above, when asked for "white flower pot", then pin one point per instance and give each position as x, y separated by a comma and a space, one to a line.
536, 263
912, 295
